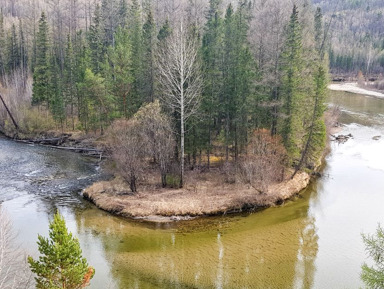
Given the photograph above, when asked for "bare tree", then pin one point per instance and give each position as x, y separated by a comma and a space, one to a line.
264, 163
14, 271
180, 79
157, 136
127, 150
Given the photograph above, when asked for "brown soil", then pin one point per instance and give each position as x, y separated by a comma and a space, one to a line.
205, 194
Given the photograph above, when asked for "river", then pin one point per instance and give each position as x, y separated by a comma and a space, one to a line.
313, 241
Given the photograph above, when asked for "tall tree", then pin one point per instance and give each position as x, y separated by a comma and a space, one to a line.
291, 88
118, 73
69, 87
40, 91
95, 40
136, 32
180, 80
212, 55
149, 42
13, 50
56, 99
237, 68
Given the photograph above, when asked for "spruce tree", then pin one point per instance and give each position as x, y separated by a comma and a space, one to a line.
318, 29
56, 100
40, 90
69, 87
211, 55
136, 32
23, 51
13, 50
237, 69
95, 41
148, 65
292, 94
118, 73
164, 32
61, 264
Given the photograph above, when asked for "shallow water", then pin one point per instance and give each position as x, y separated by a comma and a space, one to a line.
311, 242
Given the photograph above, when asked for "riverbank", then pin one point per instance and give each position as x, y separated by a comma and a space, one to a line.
79, 142
353, 87
203, 195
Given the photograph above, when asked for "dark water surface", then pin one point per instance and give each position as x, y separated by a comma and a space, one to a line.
311, 242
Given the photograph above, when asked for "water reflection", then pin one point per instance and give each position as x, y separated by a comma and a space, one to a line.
239, 253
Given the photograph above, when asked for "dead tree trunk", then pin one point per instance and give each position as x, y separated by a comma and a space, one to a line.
10, 114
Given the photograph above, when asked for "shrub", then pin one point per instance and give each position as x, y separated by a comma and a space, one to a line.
264, 162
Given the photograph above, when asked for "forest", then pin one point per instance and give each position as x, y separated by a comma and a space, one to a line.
183, 83
356, 34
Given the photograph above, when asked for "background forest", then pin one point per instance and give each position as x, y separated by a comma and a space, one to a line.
226, 74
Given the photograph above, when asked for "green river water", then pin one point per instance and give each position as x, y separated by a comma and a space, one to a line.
313, 241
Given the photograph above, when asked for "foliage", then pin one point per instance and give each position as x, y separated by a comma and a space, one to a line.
373, 276
41, 69
61, 264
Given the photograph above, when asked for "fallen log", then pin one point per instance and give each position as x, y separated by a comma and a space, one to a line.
9, 112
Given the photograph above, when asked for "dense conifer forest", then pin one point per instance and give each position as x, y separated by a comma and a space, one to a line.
225, 73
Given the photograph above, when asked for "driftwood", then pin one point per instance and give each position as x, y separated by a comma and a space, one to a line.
9, 112
57, 141
341, 138
87, 151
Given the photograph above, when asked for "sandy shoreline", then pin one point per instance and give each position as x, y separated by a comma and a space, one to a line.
353, 88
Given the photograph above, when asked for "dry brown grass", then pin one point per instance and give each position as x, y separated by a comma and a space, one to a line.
204, 194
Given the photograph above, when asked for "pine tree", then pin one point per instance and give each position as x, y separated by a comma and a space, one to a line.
164, 32
148, 66
61, 264
136, 32
110, 21
229, 81
212, 55
23, 51
122, 13
237, 73
56, 92
40, 91
96, 102
373, 276
13, 50
69, 87
118, 73
291, 92
319, 29
95, 41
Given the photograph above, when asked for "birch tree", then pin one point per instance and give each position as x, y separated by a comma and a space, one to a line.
180, 80
14, 271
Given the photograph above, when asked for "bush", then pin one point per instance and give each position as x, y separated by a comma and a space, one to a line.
264, 162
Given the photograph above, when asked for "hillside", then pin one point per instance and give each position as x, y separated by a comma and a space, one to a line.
356, 35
